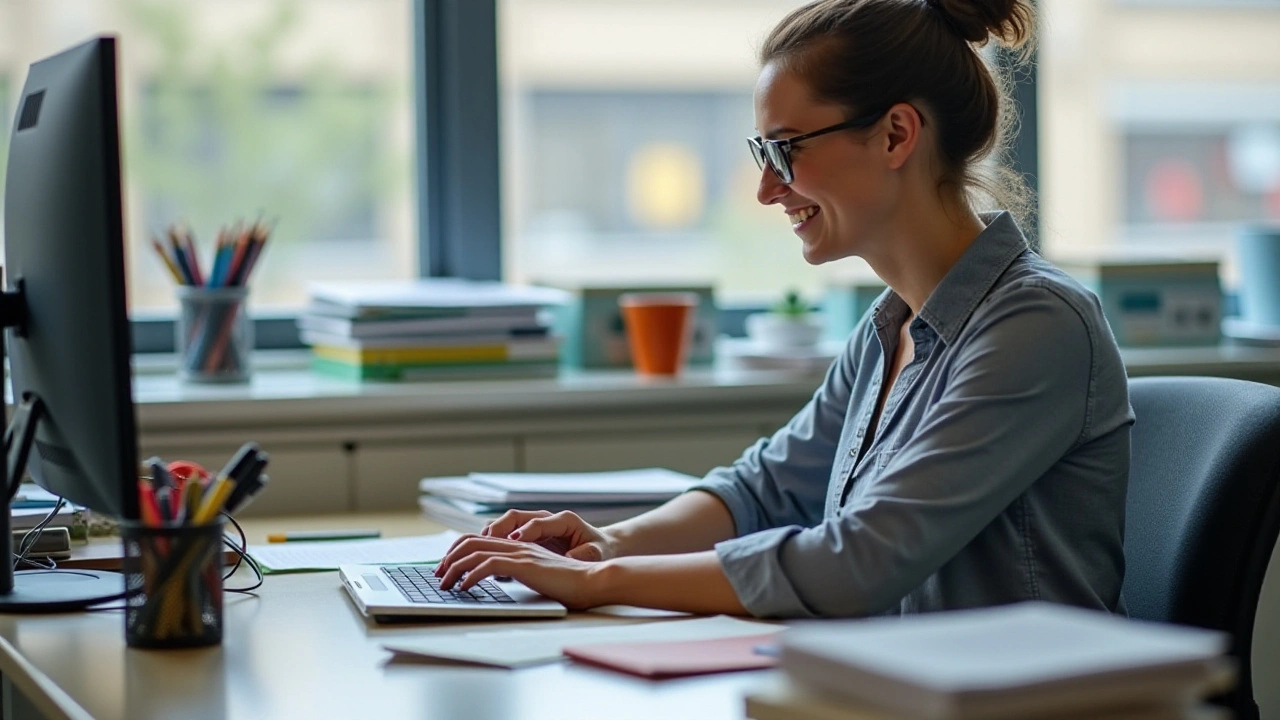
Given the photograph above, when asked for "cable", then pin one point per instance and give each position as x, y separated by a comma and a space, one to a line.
241, 551
29, 539
242, 555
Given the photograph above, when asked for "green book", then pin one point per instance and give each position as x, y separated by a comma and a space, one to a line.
409, 372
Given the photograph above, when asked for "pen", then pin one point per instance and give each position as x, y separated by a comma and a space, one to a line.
241, 461
160, 477
257, 483
248, 482
307, 535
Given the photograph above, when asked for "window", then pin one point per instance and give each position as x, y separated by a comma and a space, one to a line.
296, 112
1160, 124
624, 151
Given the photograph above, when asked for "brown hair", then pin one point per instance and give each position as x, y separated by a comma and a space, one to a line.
866, 55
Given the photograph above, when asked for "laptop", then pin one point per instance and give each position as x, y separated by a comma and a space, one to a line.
389, 593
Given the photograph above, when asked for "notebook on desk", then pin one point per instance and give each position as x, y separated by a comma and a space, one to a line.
405, 592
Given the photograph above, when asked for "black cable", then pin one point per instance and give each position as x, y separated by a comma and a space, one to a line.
242, 555
35, 563
241, 550
29, 539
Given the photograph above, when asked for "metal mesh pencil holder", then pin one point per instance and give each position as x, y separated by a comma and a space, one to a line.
173, 578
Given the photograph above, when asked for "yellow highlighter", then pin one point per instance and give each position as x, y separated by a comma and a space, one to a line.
214, 498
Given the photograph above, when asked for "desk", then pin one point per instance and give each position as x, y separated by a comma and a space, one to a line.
302, 650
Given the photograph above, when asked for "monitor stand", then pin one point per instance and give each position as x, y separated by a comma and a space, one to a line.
36, 591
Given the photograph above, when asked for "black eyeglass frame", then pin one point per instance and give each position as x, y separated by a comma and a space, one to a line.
777, 153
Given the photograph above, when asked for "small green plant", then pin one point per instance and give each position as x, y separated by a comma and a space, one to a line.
791, 305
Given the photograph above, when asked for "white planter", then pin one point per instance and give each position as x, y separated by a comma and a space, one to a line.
771, 330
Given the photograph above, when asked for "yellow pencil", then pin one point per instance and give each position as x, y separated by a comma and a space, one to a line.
168, 262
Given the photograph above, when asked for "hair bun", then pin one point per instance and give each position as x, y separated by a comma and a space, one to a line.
1011, 21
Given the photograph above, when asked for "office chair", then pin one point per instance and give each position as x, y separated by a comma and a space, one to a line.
1203, 508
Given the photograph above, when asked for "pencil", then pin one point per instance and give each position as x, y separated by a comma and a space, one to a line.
238, 256
189, 243
180, 258
168, 261
251, 262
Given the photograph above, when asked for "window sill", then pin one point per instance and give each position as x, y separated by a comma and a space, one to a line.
283, 390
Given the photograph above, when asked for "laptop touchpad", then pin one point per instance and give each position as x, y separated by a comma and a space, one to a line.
374, 582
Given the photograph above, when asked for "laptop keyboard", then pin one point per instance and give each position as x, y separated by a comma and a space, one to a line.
420, 585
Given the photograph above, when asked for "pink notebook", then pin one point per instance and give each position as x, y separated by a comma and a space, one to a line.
680, 657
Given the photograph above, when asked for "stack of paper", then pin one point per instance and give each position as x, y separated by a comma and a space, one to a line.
1031, 660
435, 328
468, 503
25, 518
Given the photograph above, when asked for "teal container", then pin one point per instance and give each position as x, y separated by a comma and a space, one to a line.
1258, 258
844, 305
595, 337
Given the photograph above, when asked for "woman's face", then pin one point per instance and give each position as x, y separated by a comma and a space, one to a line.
838, 199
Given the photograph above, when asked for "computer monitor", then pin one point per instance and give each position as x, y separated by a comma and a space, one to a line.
64, 306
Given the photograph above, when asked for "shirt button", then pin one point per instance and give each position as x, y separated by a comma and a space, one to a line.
852, 452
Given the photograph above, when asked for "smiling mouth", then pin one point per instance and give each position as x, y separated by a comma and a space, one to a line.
802, 216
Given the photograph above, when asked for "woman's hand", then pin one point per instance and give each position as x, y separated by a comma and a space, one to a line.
563, 533
474, 558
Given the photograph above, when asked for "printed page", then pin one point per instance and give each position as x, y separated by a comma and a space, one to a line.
328, 555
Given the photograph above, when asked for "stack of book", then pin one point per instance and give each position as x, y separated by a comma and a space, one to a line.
1027, 661
32, 504
469, 503
431, 329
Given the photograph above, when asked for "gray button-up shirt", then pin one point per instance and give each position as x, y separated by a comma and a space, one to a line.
998, 468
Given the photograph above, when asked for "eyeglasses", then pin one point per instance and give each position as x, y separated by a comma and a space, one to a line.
777, 153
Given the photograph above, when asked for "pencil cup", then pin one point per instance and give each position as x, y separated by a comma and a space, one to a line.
215, 335
659, 326
173, 576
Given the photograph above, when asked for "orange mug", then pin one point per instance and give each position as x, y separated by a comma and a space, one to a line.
659, 326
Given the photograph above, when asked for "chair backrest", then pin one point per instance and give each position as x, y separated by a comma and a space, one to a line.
1203, 507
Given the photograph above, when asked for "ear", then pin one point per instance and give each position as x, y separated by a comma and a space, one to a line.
903, 134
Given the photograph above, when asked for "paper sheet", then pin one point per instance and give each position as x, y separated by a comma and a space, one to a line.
520, 648
631, 611
328, 555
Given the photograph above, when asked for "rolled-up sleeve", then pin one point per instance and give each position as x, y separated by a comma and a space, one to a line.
1012, 404
782, 480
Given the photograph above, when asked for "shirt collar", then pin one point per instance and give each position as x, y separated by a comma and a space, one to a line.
968, 281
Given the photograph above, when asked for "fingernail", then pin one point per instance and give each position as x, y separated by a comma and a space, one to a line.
515, 535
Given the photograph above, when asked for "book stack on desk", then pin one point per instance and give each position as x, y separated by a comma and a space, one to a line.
469, 503
32, 504
439, 328
1026, 661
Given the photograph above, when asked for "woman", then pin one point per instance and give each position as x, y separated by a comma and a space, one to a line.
971, 444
